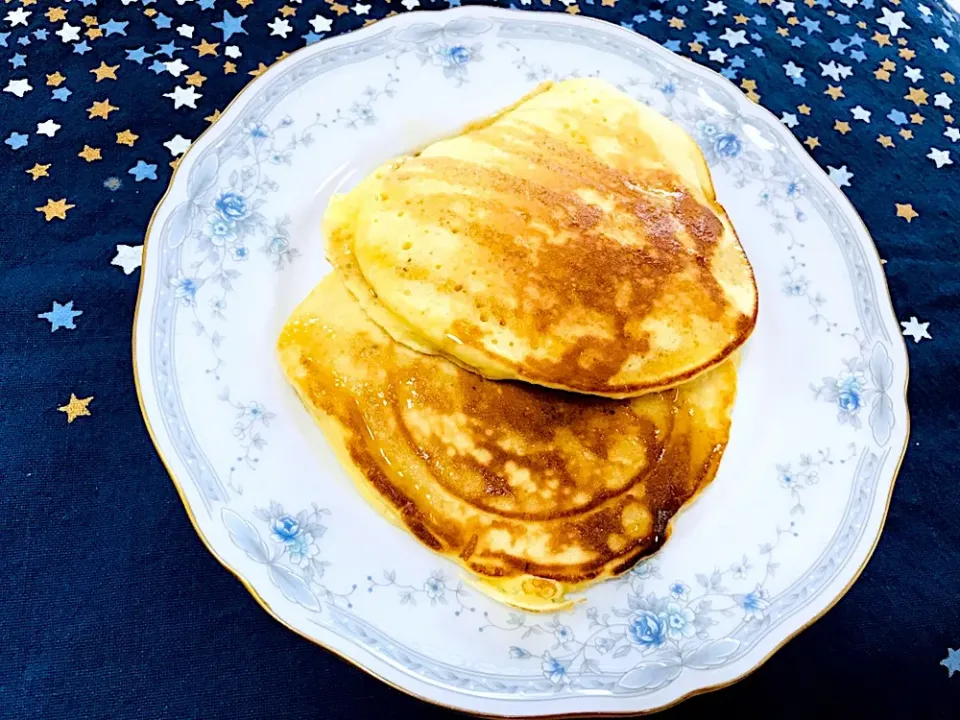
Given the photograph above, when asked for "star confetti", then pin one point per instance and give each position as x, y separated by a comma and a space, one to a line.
55, 209
62, 316
915, 329
76, 408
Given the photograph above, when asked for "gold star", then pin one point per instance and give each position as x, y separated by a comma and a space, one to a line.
783, 32
907, 54
906, 211
27, 3
916, 119
206, 48
55, 79
695, 47
812, 142
90, 20
76, 408
832, 13
886, 141
881, 39
101, 109
676, 23
810, 3
93, 33
901, 41
841, 126
260, 70
888, 64
55, 209
948, 118
196, 79
948, 78
918, 96
90, 153
752, 96
214, 117
339, 9
741, 19
105, 72
803, 109
607, 3
766, 2
906, 134
286, 10
126, 138
39, 171
835, 92
748, 84
149, 12
244, 3
175, 162
56, 14
793, 20
894, 2
881, 74
229, 68
282, 55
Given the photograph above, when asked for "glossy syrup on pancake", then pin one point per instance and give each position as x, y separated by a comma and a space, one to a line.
572, 241
536, 492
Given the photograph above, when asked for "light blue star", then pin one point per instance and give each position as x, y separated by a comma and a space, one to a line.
682, 9
61, 94
756, 37
454, 3
858, 55
843, 19
3, 39
702, 38
759, 20
729, 73
230, 25
88, 3
855, 39
758, 52
143, 171
81, 48
640, 19
206, 4
952, 661
24, 40
17, 140
158, 67
312, 37
148, 2
896, 116
40, 33
867, 4
797, 41
811, 26
737, 62
168, 49
161, 21
656, 15
838, 46
61, 316
138, 55
18, 60
672, 45
113, 27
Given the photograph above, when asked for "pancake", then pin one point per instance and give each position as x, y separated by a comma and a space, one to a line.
572, 241
536, 492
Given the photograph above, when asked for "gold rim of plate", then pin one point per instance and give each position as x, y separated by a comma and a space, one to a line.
266, 606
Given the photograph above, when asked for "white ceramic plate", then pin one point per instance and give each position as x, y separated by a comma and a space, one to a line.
819, 428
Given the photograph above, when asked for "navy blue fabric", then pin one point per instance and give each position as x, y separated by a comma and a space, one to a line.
112, 608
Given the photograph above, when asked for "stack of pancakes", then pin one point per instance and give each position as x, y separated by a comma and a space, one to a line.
523, 357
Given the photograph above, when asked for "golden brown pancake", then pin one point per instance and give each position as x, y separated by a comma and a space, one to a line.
572, 241
536, 492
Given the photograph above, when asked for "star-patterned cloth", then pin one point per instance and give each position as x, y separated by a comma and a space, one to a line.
113, 609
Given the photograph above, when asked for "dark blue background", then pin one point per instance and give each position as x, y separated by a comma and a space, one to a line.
112, 608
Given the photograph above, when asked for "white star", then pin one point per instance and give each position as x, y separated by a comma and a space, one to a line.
185, 31
940, 44
924, 10
129, 257
832, 70
940, 157
48, 128
280, 26
68, 32
734, 38
786, 7
893, 20
860, 113
177, 145
320, 24
789, 119
18, 17
916, 329
941, 99
715, 8
717, 55
792, 70
18, 87
913, 73
176, 67
410, 4
361, 9
952, 133
849, 3
840, 176
184, 96
232, 51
